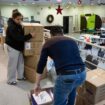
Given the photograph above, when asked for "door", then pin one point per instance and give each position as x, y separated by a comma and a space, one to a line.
68, 24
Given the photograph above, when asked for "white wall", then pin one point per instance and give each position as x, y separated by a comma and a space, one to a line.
31, 10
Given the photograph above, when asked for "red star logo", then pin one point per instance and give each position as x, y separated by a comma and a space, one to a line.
59, 10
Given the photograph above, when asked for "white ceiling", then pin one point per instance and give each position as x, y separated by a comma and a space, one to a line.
48, 1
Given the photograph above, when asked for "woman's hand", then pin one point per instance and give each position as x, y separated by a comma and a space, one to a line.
33, 34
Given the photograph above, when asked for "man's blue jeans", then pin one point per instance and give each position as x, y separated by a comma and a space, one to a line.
65, 88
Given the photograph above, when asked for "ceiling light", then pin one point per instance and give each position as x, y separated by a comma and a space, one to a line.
33, 3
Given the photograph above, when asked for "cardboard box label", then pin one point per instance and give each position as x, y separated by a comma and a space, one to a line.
32, 48
42, 98
27, 46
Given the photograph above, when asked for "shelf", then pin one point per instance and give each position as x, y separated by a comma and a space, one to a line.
94, 45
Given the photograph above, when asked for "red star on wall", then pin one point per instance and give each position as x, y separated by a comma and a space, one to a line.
79, 2
59, 10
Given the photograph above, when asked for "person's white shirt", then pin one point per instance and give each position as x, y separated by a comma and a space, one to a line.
51, 70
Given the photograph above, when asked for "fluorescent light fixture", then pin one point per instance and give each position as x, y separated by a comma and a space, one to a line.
33, 3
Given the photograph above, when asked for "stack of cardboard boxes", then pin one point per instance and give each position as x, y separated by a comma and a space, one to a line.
93, 91
2, 39
32, 49
3, 35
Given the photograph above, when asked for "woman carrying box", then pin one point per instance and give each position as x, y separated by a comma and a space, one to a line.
15, 39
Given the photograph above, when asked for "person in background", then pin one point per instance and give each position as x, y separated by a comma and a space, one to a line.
69, 66
15, 39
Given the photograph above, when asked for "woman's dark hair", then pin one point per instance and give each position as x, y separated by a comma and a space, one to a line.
56, 31
14, 11
15, 15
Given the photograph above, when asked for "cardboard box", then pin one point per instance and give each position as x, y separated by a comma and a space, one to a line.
32, 61
48, 90
30, 45
36, 28
32, 48
82, 100
95, 86
32, 52
81, 90
28, 52
30, 74
101, 103
99, 71
95, 93
2, 40
43, 98
37, 38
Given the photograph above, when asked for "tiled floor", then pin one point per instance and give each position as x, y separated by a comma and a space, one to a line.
3, 65
14, 95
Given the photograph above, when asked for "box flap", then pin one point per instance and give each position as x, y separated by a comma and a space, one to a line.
32, 24
96, 81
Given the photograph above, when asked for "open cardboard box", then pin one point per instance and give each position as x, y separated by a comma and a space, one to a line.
46, 94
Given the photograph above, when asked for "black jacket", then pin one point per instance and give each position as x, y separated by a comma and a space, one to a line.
15, 36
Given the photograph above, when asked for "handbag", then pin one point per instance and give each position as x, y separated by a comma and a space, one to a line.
95, 62
89, 60
88, 47
101, 53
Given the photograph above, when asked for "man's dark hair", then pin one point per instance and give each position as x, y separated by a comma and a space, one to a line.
15, 15
56, 31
